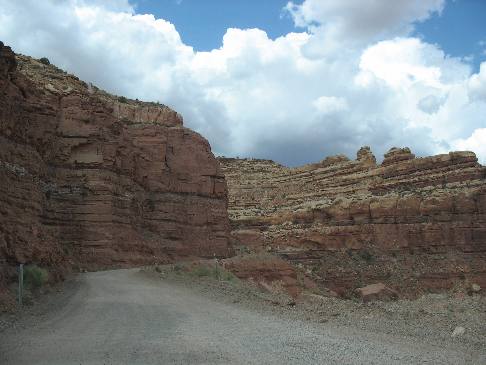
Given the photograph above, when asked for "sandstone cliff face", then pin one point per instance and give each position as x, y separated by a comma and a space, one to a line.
414, 223
88, 180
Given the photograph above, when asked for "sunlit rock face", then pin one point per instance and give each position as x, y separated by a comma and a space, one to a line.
92, 180
415, 224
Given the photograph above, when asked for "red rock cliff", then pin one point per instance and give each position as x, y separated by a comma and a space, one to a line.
414, 223
94, 180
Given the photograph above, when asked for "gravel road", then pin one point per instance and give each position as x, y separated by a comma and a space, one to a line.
125, 317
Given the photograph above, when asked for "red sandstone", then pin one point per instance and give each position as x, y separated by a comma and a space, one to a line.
92, 181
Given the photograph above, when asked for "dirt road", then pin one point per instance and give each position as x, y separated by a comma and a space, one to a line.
123, 317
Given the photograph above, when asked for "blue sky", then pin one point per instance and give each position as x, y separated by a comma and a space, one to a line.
293, 82
460, 29
202, 24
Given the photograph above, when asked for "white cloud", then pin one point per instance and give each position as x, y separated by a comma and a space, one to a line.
402, 63
476, 142
361, 19
430, 104
477, 84
294, 99
330, 104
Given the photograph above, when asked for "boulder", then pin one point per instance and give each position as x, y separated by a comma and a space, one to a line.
378, 291
458, 331
475, 288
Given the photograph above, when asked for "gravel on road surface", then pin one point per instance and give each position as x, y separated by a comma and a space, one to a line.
127, 317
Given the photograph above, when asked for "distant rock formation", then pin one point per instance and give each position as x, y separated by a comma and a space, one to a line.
414, 224
92, 180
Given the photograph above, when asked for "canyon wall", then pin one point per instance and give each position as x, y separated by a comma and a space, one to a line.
413, 223
92, 180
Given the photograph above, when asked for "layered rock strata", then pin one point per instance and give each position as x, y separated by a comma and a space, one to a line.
93, 180
413, 223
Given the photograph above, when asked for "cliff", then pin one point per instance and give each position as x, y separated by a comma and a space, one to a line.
414, 223
91, 180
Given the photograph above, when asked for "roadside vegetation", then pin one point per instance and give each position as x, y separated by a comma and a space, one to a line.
216, 272
211, 269
35, 277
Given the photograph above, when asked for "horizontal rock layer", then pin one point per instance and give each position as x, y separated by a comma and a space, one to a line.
414, 223
93, 180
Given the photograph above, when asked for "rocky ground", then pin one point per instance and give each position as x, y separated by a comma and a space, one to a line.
170, 315
448, 319
35, 307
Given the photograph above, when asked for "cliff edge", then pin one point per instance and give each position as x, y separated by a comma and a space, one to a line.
91, 180
416, 224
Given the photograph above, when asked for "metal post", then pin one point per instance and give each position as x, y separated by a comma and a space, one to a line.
21, 283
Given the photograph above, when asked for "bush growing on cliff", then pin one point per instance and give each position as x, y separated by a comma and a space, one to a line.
35, 277
366, 255
44, 61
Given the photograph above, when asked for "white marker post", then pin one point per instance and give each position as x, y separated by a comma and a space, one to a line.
21, 283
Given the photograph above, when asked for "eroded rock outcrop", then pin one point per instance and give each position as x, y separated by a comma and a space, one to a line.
269, 272
93, 180
412, 223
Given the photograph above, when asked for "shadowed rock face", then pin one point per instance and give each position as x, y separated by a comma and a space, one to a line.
413, 223
89, 180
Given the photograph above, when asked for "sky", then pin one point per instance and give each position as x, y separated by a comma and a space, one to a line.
293, 81
202, 24
459, 28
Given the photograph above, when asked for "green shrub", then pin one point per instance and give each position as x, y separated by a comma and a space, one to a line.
35, 277
227, 276
122, 99
201, 270
367, 256
44, 61
212, 271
